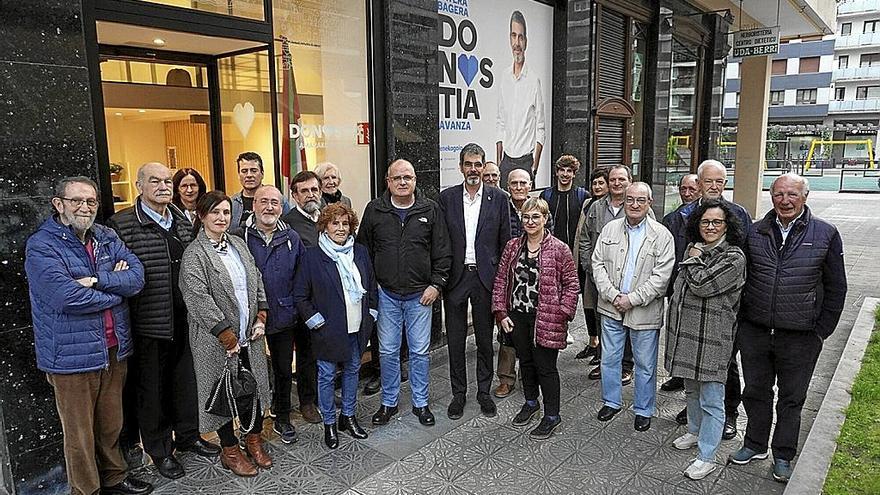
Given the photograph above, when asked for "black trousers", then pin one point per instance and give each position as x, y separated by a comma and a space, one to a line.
306, 366
130, 434
786, 358
166, 391
456, 303
226, 432
537, 364
732, 388
509, 164
281, 351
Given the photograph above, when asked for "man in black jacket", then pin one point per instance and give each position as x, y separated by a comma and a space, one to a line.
791, 302
478, 224
157, 232
406, 237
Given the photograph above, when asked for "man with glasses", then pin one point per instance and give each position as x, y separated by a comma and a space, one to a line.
157, 232
250, 175
711, 179
277, 250
632, 263
476, 217
596, 217
79, 276
405, 234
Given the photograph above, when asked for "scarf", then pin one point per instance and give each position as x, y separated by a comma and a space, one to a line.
708, 247
343, 256
332, 198
221, 245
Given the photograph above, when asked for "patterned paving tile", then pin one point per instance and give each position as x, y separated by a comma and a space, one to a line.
399, 438
351, 462
735, 481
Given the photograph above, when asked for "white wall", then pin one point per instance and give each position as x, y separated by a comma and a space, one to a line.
790, 97
730, 100
733, 70
826, 63
793, 66
823, 95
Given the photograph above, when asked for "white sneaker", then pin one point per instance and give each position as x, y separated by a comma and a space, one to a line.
686, 441
569, 339
699, 469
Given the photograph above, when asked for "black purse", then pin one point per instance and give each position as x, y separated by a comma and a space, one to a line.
235, 390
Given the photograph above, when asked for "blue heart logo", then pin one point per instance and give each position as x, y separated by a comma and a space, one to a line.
468, 66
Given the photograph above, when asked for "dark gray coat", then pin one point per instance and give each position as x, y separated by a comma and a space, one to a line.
212, 307
701, 324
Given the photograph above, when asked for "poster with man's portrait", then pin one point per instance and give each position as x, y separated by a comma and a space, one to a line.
496, 70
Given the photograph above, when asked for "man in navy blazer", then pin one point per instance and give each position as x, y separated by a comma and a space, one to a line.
478, 223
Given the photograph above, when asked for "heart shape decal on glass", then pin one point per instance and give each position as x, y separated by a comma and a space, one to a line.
468, 66
243, 117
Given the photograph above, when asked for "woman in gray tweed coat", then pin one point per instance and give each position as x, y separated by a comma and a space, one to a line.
701, 325
227, 311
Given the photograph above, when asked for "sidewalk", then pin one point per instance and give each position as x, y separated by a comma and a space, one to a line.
480, 455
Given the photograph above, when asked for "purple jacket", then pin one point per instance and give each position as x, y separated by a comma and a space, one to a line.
558, 289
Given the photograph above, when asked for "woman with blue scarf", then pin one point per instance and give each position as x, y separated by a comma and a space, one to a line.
336, 296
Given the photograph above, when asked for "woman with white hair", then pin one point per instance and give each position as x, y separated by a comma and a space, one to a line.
330, 178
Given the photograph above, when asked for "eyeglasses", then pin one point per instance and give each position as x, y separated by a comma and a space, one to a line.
76, 202
640, 201
717, 222
402, 178
532, 218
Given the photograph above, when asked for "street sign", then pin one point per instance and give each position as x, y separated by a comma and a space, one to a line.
756, 42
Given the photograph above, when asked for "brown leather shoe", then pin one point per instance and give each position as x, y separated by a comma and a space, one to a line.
595, 373
253, 442
233, 458
503, 390
310, 414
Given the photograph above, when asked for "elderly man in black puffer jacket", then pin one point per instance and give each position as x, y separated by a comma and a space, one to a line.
792, 301
161, 371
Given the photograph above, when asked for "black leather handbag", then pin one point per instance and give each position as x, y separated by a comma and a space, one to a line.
235, 390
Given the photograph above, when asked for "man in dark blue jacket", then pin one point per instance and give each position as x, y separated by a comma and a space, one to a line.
478, 224
79, 276
791, 302
277, 250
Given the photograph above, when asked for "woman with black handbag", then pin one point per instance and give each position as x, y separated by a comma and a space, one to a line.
227, 305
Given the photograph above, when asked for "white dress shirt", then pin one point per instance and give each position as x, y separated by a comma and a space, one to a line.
471, 217
520, 121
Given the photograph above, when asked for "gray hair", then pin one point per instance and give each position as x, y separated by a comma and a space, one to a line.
61, 185
710, 163
644, 186
516, 171
471, 149
323, 167
803, 181
685, 176
520, 19
625, 168
141, 174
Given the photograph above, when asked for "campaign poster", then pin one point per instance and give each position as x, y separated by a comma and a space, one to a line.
496, 68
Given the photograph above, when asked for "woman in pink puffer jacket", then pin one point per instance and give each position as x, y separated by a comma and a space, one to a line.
535, 296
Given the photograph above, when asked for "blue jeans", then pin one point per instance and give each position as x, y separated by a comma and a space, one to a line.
327, 379
644, 346
705, 407
394, 316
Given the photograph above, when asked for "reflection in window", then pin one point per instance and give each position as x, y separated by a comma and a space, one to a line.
250, 9
777, 98
806, 96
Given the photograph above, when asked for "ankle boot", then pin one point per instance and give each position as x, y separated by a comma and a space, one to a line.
233, 458
350, 424
331, 435
254, 445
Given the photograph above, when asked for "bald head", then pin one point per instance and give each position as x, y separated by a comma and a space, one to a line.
689, 188
401, 181
149, 169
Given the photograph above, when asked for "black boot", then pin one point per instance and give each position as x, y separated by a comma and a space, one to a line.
350, 424
331, 435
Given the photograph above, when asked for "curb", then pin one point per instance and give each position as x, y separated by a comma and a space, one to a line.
815, 457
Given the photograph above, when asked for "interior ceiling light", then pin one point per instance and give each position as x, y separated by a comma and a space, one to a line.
159, 42
142, 111
119, 114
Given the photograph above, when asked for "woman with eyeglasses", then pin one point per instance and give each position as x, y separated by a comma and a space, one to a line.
534, 297
189, 186
701, 325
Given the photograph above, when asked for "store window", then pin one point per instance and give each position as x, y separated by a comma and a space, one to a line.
806, 96
323, 105
250, 9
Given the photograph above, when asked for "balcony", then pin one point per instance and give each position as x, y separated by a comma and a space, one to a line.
857, 41
855, 7
856, 73
854, 106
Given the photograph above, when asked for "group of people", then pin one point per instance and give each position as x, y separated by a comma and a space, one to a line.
135, 321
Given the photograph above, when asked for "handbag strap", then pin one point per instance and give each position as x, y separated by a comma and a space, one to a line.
233, 404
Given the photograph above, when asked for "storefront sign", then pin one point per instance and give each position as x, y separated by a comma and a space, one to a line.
755, 42
481, 100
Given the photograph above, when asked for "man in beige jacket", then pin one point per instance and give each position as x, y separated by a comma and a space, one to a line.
632, 263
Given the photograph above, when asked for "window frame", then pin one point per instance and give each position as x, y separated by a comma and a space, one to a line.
813, 94
776, 102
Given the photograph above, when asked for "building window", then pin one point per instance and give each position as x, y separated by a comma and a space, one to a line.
846, 29
779, 67
869, 60
581, 6
806, 96
867, 92
839, 94
870, 26
843, 61
808, 65
777, 98
737, 99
